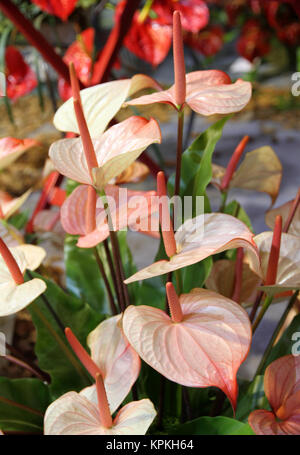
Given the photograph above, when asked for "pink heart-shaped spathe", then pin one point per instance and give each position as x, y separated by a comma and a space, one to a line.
205, 349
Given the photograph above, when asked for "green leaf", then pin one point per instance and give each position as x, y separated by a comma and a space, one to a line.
52, 349
196, 170
83, 278
213, 426
194, 276
288, 343
22, 404
236, 210
251, 397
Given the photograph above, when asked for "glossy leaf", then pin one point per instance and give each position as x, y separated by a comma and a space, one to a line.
52, 349
22, 404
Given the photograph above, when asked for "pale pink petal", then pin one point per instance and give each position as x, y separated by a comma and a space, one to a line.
134, 418
288, 272
205, 349
219, 99
10, 235
282, 388
10, 207
47, 221
282, 380
222, 278
119, 363
17, 297
260, 171
11, 149
201, 237
72, 213
264, 423
284, 211
100, 104
121, 145
68, 158
74, 414
126, 207
207, 92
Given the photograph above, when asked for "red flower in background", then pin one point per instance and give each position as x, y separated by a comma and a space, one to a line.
59, 8
20, 78
208, 41
80, 53
150, 38
284, 17
254, 41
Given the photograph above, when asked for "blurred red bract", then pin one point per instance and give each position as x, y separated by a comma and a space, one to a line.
209, 41
59, 8
20, 78
254, 41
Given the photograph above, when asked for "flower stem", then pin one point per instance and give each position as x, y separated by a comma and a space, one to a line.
120, 276
266, 304
276, 332
49, 306
106, 282
236, 295
180, 122
111, 267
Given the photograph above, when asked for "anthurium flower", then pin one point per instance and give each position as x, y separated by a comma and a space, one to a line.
290, 217
100, 104
148, 38
118, 362
11, 149
9, 205
254, 40
74, 414
202, 344
282, 388
135, 173
59, 8
10, 235
15, 293
80, 53
125, 210
115, 150
20, 78
207, 92
199, 238
208, 41
288, 268
260, 171
222, 278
